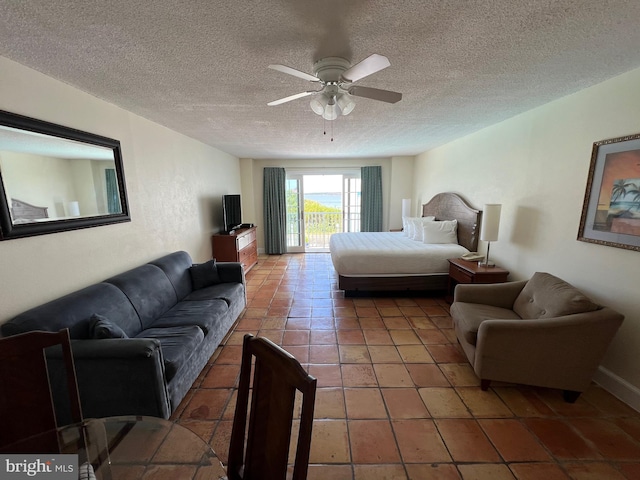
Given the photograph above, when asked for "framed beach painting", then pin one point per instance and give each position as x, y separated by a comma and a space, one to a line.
611, 209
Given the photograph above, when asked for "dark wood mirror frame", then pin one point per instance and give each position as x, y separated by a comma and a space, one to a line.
10, 229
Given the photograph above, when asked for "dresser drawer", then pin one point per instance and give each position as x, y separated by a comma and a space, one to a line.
246, 239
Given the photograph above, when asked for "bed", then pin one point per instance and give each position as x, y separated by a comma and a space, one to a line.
390, 261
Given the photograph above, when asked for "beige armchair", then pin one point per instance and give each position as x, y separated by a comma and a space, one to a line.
540, 332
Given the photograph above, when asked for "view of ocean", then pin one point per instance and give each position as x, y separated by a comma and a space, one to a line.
328, 198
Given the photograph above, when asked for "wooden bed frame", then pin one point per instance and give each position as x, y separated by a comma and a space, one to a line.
444, 206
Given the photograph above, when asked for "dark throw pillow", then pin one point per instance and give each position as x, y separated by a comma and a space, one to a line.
204, 274
100, 327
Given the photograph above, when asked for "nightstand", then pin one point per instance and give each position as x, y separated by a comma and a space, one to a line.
463, 271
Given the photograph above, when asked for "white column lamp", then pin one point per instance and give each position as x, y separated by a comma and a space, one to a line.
406, 207
490, 228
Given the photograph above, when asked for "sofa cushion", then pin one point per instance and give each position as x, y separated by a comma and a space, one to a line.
204, 274
149, 291
74, 311
100, 327
206, 314
546, 296
177, 345
469, 316
176, 267
229, 292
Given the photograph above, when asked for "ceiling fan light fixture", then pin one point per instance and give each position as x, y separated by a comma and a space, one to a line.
346, 103
331, 111
319, 103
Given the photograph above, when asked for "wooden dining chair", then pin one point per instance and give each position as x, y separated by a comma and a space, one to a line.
276, 378
26, 401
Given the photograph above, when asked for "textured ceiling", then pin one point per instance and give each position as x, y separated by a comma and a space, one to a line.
200, 66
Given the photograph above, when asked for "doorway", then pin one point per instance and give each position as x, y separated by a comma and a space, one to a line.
319, 205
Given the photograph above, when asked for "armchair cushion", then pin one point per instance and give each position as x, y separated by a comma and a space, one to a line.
546, 296
471, 315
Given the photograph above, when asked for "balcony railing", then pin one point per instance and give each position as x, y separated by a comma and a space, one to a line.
318, 227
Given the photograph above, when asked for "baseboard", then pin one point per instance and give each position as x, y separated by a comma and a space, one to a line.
618, 387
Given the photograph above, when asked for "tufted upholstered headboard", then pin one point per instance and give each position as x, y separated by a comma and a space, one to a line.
450, 206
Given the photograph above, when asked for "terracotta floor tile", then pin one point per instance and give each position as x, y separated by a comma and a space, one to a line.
379, 472
432, 471
377, 337
295, 337
207, 404
630, 470
221, 376
538, 471
561, 440
384, 354
485, 472
372, 441
389, 312
610, 440
354, 354
460, 374
322, 337
321, 312
404, 403
358, 375
523, 403
333, 472
220, 440
392, 375
483, 403
466, 441
414, 354
396, 323
631, 425
347, 323
231, 354
363, 403
371, 323
606, 403
514, 441
350, 337
446, 353
249, 324
554, 399
298, 324
432, 337
329, 442
426, 375
367, 311
274, 335
323, 354
274, 323
420, 442
327, 375
329, 403
322, 323
443, 403
593, 471
421, 322
404, 337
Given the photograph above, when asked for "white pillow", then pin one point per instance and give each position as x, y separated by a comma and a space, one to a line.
416, 227
440, 232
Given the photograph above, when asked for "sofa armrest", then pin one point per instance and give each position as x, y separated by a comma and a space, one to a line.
115, 377
561, 352
501, 295
230, 272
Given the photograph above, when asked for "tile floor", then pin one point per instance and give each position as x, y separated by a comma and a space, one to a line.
397, 399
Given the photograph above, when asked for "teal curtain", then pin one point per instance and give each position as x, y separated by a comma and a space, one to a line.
113, 199
371, 213
275, 211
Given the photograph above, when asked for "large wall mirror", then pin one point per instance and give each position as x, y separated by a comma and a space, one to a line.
54, 178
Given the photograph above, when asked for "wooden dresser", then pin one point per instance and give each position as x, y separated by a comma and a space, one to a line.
241, 246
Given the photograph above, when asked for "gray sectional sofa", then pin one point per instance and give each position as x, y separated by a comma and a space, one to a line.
141, 338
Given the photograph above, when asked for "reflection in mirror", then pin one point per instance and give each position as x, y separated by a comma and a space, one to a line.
56, 179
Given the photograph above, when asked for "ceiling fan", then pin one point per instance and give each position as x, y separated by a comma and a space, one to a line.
336, 77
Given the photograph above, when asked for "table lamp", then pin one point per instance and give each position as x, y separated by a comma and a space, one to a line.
489, 229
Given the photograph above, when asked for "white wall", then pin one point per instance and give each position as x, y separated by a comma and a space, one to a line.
174, 186
536, 165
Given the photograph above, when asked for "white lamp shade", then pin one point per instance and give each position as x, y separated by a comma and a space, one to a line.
490, 222
346, 104
406, 207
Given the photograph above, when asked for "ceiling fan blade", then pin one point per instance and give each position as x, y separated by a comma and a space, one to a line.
294, 72
291, 97
375, 94
372, 64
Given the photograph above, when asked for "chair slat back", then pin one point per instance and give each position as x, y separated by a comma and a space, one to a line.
277, 376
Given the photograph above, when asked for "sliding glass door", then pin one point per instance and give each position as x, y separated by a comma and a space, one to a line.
320, 204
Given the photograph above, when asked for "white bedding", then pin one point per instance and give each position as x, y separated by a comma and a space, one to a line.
389, 253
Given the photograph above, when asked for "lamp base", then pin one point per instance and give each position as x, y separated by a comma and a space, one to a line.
482, 263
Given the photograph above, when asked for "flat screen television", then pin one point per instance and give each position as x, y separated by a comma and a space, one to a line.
231, 212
